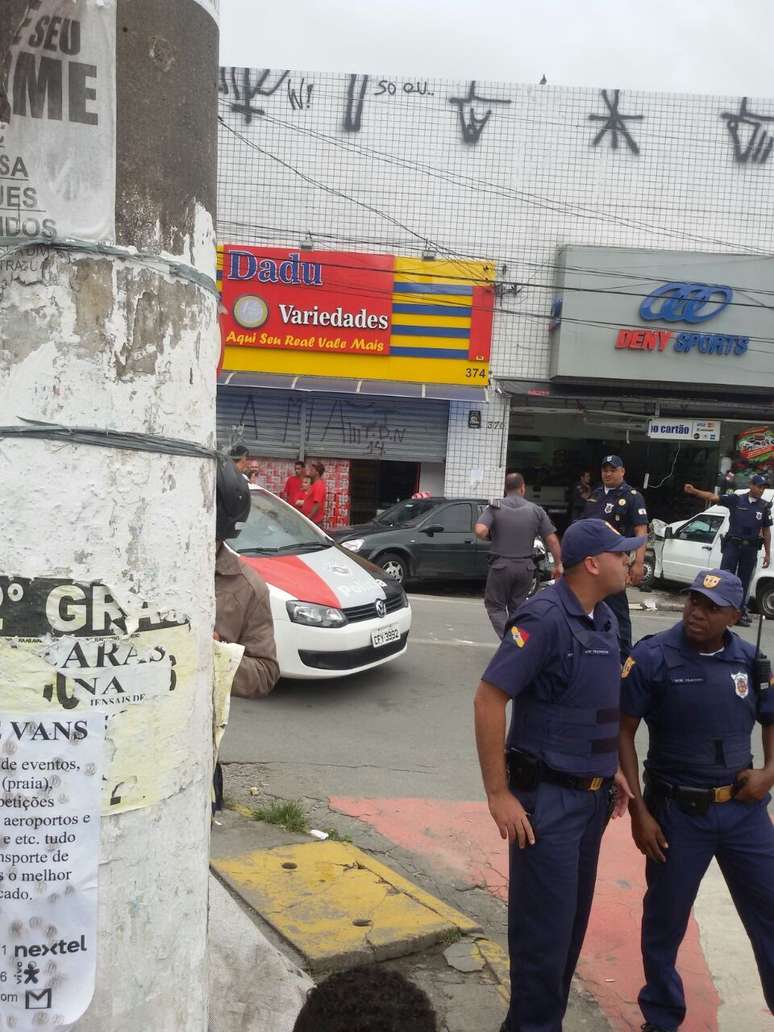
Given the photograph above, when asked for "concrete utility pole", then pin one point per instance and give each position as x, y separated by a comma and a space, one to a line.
117, 341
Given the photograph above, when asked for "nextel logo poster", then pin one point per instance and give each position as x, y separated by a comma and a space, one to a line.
305, 301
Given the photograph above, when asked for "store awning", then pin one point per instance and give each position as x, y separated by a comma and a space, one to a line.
340, 385
648, 400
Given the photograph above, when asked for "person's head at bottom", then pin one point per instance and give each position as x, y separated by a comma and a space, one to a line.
366, 999
596, 560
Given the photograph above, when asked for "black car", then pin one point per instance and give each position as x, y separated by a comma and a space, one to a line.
428, 538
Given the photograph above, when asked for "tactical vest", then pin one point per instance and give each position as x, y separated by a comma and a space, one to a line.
577, 734
698, 732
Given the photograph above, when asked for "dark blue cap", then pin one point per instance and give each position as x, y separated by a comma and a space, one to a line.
720, 586
613, 460
759, 480
592, 537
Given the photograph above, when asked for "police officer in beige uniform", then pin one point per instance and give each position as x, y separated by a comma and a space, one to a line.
512, 527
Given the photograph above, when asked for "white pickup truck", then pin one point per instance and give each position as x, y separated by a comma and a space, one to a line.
678, 551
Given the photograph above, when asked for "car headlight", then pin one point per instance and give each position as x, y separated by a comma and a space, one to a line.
354, 545
315, 616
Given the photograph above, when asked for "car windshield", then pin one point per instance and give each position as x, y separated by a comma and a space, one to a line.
273, 528
408, 513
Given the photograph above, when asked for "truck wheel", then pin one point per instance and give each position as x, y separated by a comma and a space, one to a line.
766, 600
649, 566
394, 566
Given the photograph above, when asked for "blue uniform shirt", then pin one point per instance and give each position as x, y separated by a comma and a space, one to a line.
747, 515
622, 507
700, 710
562, 670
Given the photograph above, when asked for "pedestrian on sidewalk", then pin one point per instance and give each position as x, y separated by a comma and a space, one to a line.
314, 500
553, 791
293, 491
623, 507
698, 688
749, 530
242, 608
581, 493
512, 526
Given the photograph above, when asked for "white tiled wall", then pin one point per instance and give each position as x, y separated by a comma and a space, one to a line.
475, 459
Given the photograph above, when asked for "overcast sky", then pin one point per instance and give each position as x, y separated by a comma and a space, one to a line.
694, 46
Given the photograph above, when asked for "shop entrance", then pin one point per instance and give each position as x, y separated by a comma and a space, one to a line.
374, 486
552, 465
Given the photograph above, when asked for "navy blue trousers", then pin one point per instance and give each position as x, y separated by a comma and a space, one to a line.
741, 837
741, 560
549, 900
620, 605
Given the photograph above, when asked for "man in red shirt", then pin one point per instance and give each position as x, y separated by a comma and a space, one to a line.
314, 503
294, 486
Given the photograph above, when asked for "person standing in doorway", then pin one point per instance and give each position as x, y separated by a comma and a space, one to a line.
623, 507
512, 527
749, 529
552, 792
294, 485
580, 495
314, 502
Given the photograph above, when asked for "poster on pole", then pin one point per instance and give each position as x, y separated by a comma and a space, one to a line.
58, 124
50, 773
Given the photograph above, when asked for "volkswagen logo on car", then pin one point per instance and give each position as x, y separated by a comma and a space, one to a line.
381, 607
689, 303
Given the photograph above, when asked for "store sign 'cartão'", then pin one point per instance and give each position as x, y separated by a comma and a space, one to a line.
690, 303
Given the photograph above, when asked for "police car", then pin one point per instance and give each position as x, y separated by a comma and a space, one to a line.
681, 549
334, 613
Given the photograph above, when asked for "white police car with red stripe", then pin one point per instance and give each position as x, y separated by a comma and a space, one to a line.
334, 613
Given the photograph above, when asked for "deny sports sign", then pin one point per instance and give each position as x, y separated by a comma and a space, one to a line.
330, 313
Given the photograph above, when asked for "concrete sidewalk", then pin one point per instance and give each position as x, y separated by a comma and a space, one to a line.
317, 906
287, 905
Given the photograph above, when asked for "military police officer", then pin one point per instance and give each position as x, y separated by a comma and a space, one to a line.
622, 507
700, 690
512, 527
748, 530
551, 796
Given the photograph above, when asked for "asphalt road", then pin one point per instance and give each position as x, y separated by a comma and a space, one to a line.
404, 729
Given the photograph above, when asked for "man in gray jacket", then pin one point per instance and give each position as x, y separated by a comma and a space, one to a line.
512, 527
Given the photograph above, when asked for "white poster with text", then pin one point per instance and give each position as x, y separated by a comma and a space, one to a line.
57, 124
50, 773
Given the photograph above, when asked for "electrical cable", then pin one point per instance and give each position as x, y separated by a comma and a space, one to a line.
123, 440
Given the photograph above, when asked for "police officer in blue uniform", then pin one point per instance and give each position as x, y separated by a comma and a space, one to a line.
551, 795
701, 691
624, 508
748, 530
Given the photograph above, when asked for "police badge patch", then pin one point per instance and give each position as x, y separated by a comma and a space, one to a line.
741, 685
608, 508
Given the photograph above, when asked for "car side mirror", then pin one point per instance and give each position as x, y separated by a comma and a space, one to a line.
668, 533
435, 528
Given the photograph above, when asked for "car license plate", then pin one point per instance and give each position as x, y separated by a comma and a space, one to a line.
385, 636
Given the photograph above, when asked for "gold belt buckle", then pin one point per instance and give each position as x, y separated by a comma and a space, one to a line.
724, 794
596, 784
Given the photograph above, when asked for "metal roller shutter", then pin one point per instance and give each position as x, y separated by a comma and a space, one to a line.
270, 423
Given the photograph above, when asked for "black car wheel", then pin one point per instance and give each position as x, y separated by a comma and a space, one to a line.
648, 571
394, 566
766, 599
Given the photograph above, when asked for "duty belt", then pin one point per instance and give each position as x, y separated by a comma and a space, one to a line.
526, 771
690, 794
742, 541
